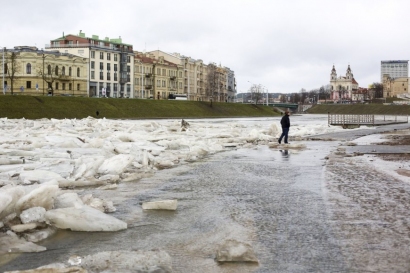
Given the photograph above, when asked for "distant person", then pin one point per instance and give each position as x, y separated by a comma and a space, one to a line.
285, 123
97, 113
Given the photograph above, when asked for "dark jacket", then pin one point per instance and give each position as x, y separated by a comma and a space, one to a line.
285, 122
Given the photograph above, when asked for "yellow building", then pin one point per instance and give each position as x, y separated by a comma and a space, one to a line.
29, 71
156, 77
395, 86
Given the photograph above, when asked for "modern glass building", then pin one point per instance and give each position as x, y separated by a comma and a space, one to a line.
395, 69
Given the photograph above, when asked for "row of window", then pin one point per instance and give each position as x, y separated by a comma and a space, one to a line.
57, 85
160, 83
108, 76
163, 72
125, 67
108, 56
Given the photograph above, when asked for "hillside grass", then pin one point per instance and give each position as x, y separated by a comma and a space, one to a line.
37, 107
376, 109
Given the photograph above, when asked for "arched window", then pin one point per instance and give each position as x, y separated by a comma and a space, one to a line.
78, 72
49, 69
28, 68
69, 71
63, 70
56, 72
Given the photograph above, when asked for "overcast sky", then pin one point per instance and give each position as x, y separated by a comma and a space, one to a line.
284, 45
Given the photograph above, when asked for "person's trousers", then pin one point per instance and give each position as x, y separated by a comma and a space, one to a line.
285, 132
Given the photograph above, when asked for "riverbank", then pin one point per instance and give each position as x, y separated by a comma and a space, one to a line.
371, 109
31, 107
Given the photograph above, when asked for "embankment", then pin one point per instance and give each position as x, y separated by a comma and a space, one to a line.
376, 109
31, 107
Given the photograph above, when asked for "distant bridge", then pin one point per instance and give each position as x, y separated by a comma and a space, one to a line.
285, 105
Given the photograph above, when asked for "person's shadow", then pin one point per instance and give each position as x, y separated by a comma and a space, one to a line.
285, 154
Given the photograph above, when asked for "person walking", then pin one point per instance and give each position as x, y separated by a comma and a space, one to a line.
285, 122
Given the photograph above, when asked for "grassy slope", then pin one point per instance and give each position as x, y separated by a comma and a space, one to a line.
77, 107
378, 109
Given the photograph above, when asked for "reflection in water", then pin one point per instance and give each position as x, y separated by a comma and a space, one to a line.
285, 154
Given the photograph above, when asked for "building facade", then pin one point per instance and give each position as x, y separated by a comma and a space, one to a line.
392, 87
341, 88
196, 75
111, 63
30, 71
156, 77
394, 69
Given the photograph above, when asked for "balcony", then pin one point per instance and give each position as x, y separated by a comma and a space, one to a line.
148, 87
148, 75
64, 78
173, 78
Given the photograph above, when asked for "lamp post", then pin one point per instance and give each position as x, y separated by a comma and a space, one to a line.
4, 92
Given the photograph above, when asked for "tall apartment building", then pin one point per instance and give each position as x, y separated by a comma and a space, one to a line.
231, 84
30, 71
394, 69
195, 78
156, 77
110, 62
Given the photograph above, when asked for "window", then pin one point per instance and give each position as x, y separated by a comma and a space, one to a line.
101, 75
115, 87
163, 84
108, 87
158, 71
164, 72
63, 86
92, 75
128, 59
101, 65
115, 76
115, 67
70, 86
108, 66
28, 68
78, 72
115, 57
49, 70
92, 64
28, 84
180, 85
180, 74
92, 54
78, 86
69, 71
108, 56
63, 70
137, 81
56, 85
128, 78
128, 68
108, 76
101, 55
56, 70
158, 83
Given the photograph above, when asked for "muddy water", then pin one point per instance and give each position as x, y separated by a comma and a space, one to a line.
270, 198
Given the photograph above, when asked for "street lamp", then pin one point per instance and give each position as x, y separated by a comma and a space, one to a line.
4, 91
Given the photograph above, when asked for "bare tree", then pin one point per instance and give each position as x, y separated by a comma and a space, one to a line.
378, 89
257, 92
12, 68
49, 75
212, 82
